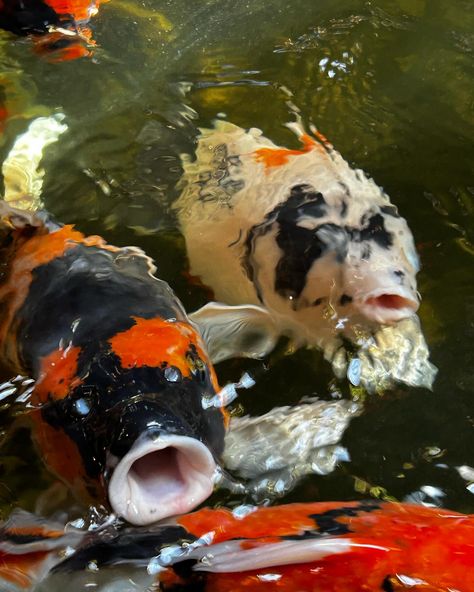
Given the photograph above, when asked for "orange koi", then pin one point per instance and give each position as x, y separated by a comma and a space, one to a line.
368, 546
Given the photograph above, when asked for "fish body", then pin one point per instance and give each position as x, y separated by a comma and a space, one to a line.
121, 374
59, 27
297, 242
311, 547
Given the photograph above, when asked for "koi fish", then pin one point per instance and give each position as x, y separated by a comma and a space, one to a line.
121, 374
59, 27
296, 242
332, 546
126, 403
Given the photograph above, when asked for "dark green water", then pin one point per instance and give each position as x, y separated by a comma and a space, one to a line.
390, 83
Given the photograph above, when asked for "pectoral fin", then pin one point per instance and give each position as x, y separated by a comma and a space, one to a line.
236, 331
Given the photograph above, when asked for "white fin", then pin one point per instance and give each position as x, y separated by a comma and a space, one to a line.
232, 556
247, 331
23, 179
273, 451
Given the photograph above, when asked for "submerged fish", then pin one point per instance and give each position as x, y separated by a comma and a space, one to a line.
126, 403
298, 243
121, 374
323, 546
59, 27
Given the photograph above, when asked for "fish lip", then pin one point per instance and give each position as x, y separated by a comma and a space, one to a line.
142, 494
387, 305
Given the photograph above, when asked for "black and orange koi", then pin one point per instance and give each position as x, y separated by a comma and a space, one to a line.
59, 27
310, 547
122, 377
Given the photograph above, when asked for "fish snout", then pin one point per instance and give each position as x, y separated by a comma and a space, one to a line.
157, 468
388, 305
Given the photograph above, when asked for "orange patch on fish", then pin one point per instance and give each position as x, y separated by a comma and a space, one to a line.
60, 453
52, 46
43, 248
80, 10
58, 375
288, 520
274, 157
153, 342
35, 531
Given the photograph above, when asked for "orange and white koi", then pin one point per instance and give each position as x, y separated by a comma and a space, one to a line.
311, 547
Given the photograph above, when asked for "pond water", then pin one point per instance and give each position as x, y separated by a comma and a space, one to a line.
389, 82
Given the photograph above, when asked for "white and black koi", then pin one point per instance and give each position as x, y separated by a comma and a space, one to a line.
296, 242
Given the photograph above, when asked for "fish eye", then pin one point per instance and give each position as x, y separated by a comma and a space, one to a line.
172, 374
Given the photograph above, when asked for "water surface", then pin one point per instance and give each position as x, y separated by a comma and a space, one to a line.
388, 82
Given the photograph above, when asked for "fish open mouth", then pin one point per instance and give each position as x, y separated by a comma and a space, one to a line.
388, 307
161, 477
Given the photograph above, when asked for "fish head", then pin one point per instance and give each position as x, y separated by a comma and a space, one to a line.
381, 265
316, 252
134, 419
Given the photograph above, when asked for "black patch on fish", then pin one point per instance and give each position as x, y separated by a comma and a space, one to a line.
301, 248
343, 208
345, 299
304, 200
129, 546
217, 184
23, 17
399, 273
22, 538
390, 210
303, 536
387, 585
366, 252
344, 188
195, 581
327, 522
60, 43
234, 242
376, 232
80, 286
295, 241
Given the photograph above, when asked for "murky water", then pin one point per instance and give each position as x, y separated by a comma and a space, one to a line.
389, 82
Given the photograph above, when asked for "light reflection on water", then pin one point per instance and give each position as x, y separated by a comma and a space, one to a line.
390, 85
